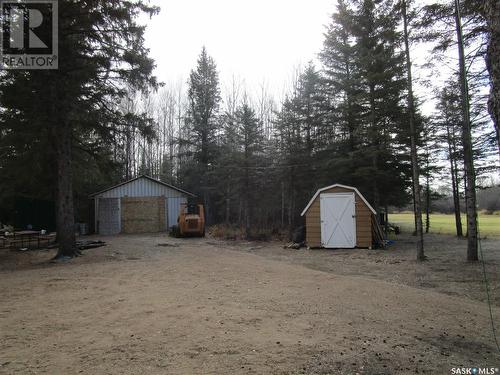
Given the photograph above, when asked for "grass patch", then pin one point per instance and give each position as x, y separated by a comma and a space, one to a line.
489, 225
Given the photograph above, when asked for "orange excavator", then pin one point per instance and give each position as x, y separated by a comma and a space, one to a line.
191, 221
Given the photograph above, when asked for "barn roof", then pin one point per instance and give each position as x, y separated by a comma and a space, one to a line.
340, 186
148, 178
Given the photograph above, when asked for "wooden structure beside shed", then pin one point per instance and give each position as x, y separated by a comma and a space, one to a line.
338, 216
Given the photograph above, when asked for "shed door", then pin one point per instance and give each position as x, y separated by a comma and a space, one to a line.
338, 220
108, 216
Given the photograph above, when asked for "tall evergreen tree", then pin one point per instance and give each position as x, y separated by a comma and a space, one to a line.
470, 173
202, 116
449, 119
491, 12
339, 80
380, 74
469, 43
250, 138
101, 50
413, 137
300, 134
203, 125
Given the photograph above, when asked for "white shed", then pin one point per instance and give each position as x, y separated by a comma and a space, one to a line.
140, 205
338, 216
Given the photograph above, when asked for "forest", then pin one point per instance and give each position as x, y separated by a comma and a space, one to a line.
352, 117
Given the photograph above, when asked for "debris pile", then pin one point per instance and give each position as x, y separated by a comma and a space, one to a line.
89, 244
295, 245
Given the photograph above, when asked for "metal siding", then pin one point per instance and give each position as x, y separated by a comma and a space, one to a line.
96, 211
108, 216
119, 215
141, 187
173, 210
167, 226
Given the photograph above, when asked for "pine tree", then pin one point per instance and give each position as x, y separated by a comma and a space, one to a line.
365, 137
288, 139
491, 13
203, 125
380, 75
250, 140
300, 134
204, 100
470, 173
413, 139
430, 163
101, 50
339, 72
449, 119
466, 37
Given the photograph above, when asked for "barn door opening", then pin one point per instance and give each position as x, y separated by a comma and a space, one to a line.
143, 214
338, 220
108, 216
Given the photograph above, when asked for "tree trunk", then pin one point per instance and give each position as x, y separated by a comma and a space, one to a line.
240, 213
413, 140
492, 15
470, 178
376, 145
247, 198
127, 153
207, 208
454, 183
65, 207
427, 204
427, 190
282, 204
228, 209
386, 220
414, 209
291, 206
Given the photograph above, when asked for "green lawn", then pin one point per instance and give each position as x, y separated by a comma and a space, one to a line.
489, 225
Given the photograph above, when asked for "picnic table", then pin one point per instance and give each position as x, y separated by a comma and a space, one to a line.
25, 239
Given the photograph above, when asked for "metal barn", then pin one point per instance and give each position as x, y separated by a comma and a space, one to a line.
338, 216
140, 205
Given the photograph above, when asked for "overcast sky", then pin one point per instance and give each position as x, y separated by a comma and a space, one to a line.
255, 41
258, 40
261, 42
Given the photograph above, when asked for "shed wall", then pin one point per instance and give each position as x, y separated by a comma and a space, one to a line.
363, 221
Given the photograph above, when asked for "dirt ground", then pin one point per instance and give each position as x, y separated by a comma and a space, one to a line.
158, 305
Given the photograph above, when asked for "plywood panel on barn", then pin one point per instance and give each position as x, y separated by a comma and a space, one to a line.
143, 214
363, 218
